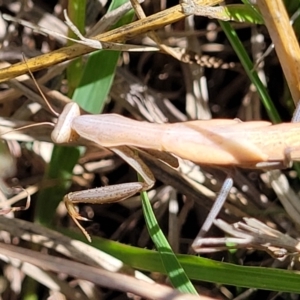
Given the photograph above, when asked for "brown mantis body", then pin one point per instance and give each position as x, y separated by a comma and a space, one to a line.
220, 142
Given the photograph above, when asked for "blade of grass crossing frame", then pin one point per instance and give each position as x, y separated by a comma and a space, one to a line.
175, 272
199, 268
96, 81
252, 74
58, 175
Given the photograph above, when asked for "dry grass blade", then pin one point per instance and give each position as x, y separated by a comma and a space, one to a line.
47, 279
285, 42
251, 234
141, 15
64, 245
123, 33
288, 198
104, 278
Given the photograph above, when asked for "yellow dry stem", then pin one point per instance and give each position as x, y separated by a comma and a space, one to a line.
120, 34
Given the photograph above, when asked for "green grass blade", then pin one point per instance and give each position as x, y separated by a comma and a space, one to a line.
59, 173
199, 268
176, 273
76, 12
203, 269
243, 13
99, 72
96, 81
249, 68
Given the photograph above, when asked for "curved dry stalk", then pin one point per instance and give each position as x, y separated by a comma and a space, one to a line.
48, 279
26, 193
287, 196
120, 34
285, 42
64, 245
251, 234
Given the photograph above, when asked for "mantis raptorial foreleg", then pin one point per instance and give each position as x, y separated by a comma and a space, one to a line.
64, 132
107, 194
113, 193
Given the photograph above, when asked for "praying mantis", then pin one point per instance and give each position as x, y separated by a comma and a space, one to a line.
223, 142
219, 142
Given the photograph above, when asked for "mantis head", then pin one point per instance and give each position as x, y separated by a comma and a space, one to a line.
63, 132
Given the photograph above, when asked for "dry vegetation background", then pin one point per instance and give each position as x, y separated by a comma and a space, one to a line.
147, 86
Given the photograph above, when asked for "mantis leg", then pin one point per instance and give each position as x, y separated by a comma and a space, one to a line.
113, 193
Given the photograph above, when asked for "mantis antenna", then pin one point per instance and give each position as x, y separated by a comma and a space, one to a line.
44, 98
39, 89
